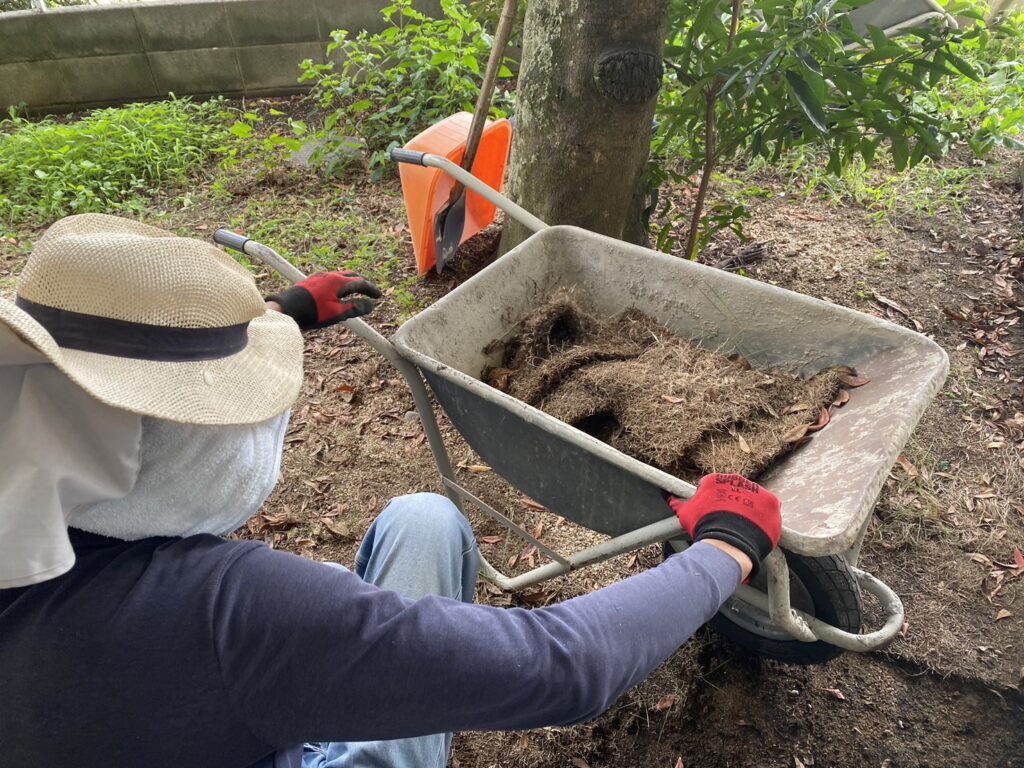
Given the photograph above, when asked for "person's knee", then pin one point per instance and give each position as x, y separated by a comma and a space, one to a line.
426, 515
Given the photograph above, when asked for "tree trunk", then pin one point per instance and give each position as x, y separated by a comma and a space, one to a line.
591, 70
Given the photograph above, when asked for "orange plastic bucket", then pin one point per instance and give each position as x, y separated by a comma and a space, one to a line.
426, 190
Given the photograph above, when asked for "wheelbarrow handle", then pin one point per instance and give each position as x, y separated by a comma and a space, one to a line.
362, 330
470, 181
259, 252
271, 258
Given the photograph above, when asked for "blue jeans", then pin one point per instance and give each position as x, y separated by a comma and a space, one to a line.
419, 545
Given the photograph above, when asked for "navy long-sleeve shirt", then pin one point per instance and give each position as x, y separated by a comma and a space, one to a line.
204, 652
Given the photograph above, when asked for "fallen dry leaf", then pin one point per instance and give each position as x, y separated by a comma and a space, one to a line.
672, 399
841, 399
337, 527
1018, 557
499, 378
854, 381
798, 763
631, 562
955, 315
796, 434
890, 304
1003, 614
529, 503
797, 408
538, 531
491, 539
337, 510
278, 521
478, 468
909, 468
835, 692
666, 702
346, 392
679, 763
821, 423
744, 446
579, 762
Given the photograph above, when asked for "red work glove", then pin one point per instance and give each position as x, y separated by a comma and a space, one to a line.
326, 298
735, 510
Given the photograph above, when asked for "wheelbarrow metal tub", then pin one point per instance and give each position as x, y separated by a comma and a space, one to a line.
828, 488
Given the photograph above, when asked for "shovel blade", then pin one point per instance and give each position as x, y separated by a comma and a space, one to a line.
448, 226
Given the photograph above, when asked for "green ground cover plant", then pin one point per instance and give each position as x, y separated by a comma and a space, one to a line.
110, 160
393, 84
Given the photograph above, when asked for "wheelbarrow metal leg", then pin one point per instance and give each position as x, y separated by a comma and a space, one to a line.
807, 628
779, 607
627, 542
543, 548
424, 409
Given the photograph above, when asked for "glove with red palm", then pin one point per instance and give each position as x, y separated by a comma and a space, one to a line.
327, 298
735, 510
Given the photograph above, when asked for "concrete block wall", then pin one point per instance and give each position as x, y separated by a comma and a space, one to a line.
86, 56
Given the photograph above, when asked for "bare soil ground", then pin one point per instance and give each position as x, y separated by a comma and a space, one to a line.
948, 692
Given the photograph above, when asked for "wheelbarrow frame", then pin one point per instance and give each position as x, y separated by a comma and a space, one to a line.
776, 603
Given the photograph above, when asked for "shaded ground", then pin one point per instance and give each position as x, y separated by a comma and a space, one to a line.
947, 693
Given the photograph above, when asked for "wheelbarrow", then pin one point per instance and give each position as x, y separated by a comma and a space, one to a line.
806, 605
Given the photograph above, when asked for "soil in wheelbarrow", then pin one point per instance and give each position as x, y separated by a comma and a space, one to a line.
659, 398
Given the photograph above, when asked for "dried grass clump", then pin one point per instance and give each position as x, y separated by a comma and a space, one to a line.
657, 397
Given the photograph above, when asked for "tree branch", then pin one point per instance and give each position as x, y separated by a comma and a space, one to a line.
709, 142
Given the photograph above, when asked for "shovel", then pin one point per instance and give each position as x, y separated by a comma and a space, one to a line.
450, 221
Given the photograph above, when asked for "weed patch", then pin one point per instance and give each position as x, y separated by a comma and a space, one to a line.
334, 232
109, 161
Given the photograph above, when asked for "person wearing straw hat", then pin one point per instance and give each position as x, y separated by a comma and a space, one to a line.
145, 387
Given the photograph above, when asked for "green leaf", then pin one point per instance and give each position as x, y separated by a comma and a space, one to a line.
867, 149
965, 67
752, 82
925, 137
808, 102
917, 155
835, 165
709, 10
241, 130
360, 106
900, 152
878, 39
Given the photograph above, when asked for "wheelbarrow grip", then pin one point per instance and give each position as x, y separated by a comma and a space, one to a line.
411, 156
229, 239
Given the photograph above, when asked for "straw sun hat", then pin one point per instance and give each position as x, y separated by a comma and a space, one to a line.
155, 324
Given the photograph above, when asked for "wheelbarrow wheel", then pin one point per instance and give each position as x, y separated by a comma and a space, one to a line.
823, 587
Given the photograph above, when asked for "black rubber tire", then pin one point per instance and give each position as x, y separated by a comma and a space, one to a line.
823, 587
